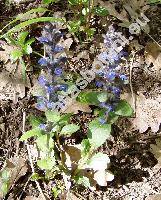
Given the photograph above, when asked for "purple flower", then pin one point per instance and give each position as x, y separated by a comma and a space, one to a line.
49, 88
42, 61
111, 76
40, 105
99, 83
63, 87
50, 105
116, 90
57, 49
43, 39
42, 126
103, 104
42, 80
102, 120
58, 71
123, 77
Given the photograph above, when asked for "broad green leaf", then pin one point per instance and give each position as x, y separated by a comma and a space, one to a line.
52, 116
112, 117
102, 97
73, 2
65, 119
16, 54
5, 175
154, 1
101, 11
22, 37
69, 129
74, 26
83, 180
27, 49
98, 133
90, 32
31, 133
85, 147
98, 162
46, 163
85, 11
124, 109
45, 144
90, 97
4, 188
49, 1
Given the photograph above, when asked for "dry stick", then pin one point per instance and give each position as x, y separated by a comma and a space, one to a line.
154, 40
131, 87
30, 158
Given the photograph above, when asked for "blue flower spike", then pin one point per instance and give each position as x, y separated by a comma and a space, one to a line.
58, 71
43, 62
42, 80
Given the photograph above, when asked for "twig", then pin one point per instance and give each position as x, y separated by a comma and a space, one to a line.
154, 40
30, 158
130, 77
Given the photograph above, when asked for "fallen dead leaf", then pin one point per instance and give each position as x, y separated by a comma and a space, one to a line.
156, 150
75, 106
147, 112
154, 197
153, 56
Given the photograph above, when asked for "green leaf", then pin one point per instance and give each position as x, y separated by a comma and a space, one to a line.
124, 109
27, 47
65, 119
98, 133
98, 162
101, 11
16, 54
154, 1
5, 175
31, 21
73, 2
102, 97
83, 180
46, 163
85, 147
74, 26
49, 1
90, 32
85, 11
22, 37
112, 117
52, 116
4, 188
23, 16
44, 144
69, 129
92, 98
31, 133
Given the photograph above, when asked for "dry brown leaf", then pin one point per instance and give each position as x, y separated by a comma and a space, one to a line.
154, 197
156, 150
147, 112
34, 198
16, 167
153, 56
75, 106
6, 52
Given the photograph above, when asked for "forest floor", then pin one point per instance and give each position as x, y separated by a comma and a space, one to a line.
133, 148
